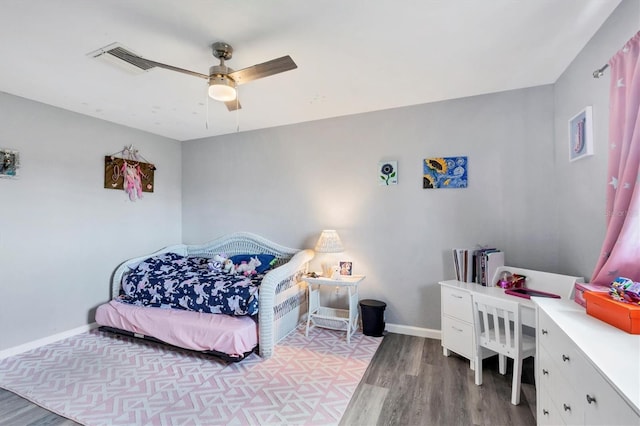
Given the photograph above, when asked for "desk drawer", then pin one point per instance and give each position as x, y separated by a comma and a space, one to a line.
457, 303
458, 336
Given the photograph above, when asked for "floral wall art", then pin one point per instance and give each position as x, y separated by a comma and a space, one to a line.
388, 173
445, 172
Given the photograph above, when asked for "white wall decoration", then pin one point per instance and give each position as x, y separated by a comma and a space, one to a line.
581, 135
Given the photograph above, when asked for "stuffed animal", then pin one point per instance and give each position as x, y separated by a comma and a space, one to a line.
248, 268
214, 266
220, 257
228, 266
217, 264
335, 272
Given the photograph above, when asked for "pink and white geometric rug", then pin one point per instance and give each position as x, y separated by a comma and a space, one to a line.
96, 378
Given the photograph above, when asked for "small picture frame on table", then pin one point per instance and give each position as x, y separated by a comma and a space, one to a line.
345, 268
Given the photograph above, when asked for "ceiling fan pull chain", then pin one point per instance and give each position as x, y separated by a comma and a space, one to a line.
206, 110
237, 112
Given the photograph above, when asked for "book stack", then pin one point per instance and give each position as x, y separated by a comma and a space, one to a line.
477, 265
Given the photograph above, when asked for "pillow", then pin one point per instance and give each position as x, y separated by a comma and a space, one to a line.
267, 260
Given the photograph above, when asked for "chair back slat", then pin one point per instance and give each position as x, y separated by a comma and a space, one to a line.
486, 326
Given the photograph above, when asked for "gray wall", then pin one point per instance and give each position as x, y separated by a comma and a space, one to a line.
61, 233
288, 183
581, 185
525, 197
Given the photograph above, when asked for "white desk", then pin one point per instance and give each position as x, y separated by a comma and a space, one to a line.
456, 310
336, 319
527, 307
605, 358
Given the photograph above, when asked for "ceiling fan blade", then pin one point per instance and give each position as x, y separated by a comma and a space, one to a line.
139, 60
265, 69
233, 105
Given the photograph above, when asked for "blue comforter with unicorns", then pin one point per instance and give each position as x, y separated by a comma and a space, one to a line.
177, 282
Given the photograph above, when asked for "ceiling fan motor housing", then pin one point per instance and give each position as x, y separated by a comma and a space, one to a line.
219, 70
220, 79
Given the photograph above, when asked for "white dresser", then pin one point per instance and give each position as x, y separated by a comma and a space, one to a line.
587, 372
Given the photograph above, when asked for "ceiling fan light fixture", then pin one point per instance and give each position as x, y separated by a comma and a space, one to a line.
222, 88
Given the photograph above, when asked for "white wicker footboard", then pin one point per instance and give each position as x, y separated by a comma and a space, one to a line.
282, 301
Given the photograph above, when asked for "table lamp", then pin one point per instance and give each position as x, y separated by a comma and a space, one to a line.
329, 242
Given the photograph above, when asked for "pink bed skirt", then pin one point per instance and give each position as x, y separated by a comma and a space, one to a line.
185, 329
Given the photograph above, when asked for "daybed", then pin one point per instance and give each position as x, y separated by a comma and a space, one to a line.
281, 301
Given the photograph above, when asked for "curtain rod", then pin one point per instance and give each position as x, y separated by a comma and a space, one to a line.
600, 71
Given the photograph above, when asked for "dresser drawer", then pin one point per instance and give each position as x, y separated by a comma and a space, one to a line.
568, 404
603, 405
561, 350
457, 303
547, 369
458, 336
548, 413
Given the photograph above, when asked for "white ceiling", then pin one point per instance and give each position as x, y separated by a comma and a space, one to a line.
353, 56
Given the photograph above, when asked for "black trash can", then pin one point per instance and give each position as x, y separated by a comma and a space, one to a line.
372, 317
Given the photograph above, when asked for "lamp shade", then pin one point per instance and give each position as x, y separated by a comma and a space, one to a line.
329, 242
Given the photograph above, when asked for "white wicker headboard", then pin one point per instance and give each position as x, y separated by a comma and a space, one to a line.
231, 244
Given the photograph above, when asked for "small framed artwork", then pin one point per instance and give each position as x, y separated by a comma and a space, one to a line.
388, 173
9, 163
345, 268
445, 172
581, 135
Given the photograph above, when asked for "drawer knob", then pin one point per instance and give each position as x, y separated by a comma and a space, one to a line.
566, 407
545, 412
456, 296
565, 358
544, 331
547, 373
590, 399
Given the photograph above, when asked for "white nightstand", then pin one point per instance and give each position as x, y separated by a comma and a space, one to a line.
336, 319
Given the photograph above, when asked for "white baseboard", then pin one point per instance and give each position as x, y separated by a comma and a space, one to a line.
391, 328
45, 341
414, 331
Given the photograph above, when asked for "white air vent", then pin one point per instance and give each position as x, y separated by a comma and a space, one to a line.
116, 54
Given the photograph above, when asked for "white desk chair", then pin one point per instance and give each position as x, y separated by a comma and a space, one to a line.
499, 329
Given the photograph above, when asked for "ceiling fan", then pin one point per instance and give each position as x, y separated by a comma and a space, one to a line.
222, 79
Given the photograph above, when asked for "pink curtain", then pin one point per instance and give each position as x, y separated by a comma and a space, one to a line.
620, 254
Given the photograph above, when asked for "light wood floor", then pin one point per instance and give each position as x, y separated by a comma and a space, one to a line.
409, 382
